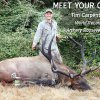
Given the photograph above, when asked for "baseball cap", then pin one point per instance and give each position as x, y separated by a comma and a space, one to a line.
48, 10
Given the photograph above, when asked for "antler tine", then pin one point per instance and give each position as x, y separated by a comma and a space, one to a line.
84, 73
49, 48
54, 69
43, 45
76, 75
88, 71
48, 54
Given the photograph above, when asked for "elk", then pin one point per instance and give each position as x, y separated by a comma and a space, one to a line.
67, 76
42, 69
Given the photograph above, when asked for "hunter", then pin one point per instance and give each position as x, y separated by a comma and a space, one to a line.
48, 26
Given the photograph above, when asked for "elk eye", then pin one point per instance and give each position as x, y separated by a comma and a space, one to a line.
76, 83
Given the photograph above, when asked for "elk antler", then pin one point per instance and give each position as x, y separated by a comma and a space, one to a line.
84, 73
48, 55
88, 71
55, 70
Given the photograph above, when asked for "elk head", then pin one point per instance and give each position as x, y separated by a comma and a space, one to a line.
77, 81
72, 80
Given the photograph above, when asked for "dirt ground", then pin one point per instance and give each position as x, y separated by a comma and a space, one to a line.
50, 93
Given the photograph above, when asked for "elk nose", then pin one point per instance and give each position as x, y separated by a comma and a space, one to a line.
85, 86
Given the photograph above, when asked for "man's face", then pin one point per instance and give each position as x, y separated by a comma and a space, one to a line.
48, 15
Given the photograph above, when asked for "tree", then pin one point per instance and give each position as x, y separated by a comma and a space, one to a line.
85, 43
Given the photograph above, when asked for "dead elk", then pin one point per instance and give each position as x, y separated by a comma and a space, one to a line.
40, 69
67, 76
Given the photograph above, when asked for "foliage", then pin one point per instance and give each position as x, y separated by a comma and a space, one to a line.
16, 45
91, 39
18, 23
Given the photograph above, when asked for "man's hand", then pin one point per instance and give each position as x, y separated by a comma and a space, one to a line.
58, 37
33, 46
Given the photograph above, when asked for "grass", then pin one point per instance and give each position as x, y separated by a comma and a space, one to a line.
50, 93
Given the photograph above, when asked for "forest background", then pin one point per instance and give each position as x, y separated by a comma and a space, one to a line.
18, 23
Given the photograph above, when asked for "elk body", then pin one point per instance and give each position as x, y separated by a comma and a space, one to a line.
36, 67
44, 68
